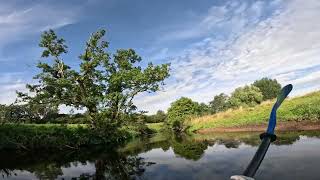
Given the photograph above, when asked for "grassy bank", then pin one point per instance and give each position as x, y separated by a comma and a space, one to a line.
54, 136
155, 127
303, 108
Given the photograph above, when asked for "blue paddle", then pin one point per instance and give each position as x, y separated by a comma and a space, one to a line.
266, 137
273, 115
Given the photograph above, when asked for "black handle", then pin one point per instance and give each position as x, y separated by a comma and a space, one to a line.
261, 152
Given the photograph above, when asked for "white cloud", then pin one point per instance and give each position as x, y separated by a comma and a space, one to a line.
19, 22
9, 84
278, 47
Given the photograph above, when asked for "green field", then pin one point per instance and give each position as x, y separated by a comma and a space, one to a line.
156, 127
303, 108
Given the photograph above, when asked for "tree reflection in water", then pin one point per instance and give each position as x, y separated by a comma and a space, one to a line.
126, 162
108, 165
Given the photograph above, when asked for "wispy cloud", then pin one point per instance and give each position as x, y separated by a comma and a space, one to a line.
9, 83
253, 46
20, 22
232, 17
17, 22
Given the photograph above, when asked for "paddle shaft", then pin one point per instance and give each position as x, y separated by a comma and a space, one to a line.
258, 157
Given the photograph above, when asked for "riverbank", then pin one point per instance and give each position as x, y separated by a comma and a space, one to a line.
281, 126
299, 113
57, 137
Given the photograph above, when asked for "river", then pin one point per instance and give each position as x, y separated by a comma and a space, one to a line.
295, 155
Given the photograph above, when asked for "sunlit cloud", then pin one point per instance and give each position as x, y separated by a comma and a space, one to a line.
279, 46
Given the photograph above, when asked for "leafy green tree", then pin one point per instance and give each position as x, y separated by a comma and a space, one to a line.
41, 113
204, 109
17, 113
268, 87
219, 103
179, 111
160, 116
246, 96
104, 84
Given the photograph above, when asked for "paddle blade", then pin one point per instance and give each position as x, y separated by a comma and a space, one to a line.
273, 115
283, 94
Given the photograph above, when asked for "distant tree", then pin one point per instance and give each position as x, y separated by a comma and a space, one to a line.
17, 113
41, 113
160, 116
3, 109
268, 87
246, 96
179, 111
219, 103
203, 109
104, 84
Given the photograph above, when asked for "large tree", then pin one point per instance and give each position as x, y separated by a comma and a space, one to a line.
104, 84
268, 87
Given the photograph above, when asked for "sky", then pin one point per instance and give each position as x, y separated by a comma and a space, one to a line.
213, 46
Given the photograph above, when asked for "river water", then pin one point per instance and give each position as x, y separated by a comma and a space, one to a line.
295, 155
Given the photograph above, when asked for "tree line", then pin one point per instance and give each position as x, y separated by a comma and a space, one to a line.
246, 96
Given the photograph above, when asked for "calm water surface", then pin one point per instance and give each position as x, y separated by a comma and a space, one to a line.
295, 155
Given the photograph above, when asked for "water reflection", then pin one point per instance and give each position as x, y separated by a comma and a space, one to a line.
71, 165
169, 156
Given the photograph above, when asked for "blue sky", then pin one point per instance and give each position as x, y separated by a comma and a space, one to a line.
213, 46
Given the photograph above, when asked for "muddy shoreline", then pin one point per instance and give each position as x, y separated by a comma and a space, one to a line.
281, 126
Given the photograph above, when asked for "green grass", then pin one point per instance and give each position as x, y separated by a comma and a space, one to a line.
56, 136
303, 108
156, 127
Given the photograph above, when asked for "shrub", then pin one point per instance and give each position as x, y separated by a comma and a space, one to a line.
160, 116
219, 103
307, 112
268, 87
246, 96
180, 110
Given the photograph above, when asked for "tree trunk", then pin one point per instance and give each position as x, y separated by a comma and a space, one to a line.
93, 116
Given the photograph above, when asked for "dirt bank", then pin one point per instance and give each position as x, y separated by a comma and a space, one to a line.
281, 126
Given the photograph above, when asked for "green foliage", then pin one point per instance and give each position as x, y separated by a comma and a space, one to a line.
246, 96
160, 116
23, 113
67, 119
27, 137
104, 85
268, 87
180, 111
219, 103
156, 127
308, 111
304, 108
204, 109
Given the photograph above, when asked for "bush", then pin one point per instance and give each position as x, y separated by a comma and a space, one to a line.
54, 137
160, 116
307, 112
219, 103
268, 87
246, 96
180, 110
